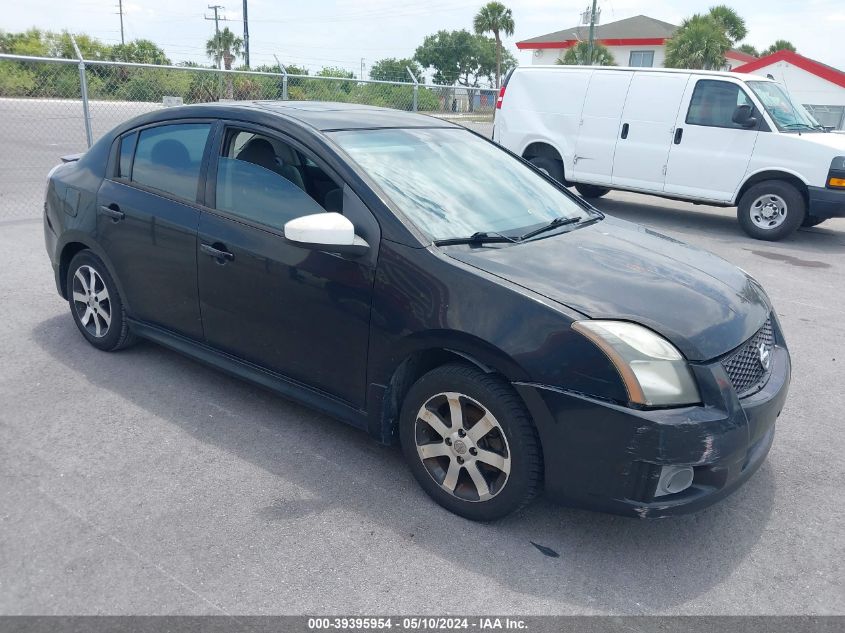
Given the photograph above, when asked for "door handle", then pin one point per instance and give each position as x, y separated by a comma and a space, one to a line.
113, 212
624, 130
679, 134
222, 256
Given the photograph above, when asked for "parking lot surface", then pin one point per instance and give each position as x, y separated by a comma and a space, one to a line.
144, 482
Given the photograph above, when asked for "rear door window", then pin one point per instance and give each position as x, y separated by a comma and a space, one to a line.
169, 157
127, 151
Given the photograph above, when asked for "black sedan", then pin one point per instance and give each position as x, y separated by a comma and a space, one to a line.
417, 281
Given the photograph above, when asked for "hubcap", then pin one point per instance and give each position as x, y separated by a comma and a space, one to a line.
91, 301
768, 211
462, 446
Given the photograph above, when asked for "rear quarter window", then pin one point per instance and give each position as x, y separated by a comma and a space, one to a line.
169, 157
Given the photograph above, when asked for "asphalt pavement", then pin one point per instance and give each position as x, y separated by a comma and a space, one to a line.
143, 482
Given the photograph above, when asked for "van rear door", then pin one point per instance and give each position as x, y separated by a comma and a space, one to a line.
600, 125
705, 134
645, 136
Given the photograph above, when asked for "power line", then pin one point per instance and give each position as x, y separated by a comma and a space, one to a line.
216, 19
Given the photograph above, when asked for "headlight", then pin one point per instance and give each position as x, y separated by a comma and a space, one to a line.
653, 370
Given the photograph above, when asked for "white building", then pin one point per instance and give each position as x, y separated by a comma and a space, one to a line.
637, 41
818, 87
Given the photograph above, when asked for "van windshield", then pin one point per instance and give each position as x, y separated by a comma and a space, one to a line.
452, 184
787, 115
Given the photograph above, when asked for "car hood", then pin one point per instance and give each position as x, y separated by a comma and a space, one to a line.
614, 269
831, 140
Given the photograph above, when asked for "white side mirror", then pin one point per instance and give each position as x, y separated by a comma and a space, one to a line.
321, 228
330, 232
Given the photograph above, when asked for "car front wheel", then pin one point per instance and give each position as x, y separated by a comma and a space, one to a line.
470, 443
771, 210
95, 303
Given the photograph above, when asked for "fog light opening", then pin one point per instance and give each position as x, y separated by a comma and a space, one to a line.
673, 479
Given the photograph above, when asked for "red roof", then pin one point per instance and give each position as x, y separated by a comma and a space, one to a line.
828, 73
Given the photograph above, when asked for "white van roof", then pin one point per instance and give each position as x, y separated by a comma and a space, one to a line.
715, 73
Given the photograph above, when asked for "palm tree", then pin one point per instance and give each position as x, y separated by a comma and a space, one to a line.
225, 46
700, 43
733, 25
779, 45
580, 55
495, 18
748, 49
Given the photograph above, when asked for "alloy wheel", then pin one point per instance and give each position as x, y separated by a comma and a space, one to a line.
91, 301
462, 446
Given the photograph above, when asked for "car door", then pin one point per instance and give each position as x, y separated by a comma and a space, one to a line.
147, 220
297, 311
705, 134
645, 135
599, 128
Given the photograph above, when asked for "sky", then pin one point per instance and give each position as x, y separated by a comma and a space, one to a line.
342, 32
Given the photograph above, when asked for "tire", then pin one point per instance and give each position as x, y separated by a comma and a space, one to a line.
101, 318
812, 220
591, 191
503, 456
771, 210
550, 167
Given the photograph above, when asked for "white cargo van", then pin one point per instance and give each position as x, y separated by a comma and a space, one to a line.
711, 137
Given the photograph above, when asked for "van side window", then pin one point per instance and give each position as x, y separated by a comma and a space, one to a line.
265, 180
169, 157
713, 103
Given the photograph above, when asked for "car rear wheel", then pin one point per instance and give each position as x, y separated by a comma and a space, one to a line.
470, 443
550, 167
591, 191
95, 303
771, 210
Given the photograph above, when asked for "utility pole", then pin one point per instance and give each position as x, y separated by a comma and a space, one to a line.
215, 7
361, 76
120, 10
592, 30
246, 35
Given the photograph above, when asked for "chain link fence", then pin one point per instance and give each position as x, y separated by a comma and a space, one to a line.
51, 107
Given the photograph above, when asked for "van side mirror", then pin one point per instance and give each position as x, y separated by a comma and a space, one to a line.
329, 232
742, 116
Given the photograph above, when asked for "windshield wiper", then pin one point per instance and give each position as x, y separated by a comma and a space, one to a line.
479, 237
561, 221
793, 126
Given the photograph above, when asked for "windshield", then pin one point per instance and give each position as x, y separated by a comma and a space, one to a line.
453, 184
787, 115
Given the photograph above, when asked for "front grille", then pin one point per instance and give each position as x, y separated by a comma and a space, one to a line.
749, 366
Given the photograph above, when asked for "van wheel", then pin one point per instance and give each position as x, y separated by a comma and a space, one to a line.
771, 210
470, 442
812, 220
550, 167
591, 191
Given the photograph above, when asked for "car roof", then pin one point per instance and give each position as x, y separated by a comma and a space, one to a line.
329, 115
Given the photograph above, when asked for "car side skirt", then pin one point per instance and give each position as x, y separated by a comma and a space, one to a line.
244, 370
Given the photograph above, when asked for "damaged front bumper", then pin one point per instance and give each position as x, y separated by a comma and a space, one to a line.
608, 457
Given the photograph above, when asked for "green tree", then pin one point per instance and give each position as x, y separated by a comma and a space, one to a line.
748, 49
460, 57
225, 46
495, 18
139, 52
580, 55
730, 21
32, 42
392, 69
779, 45
700, 43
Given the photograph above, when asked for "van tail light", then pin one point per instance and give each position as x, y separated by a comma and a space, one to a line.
501, 98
